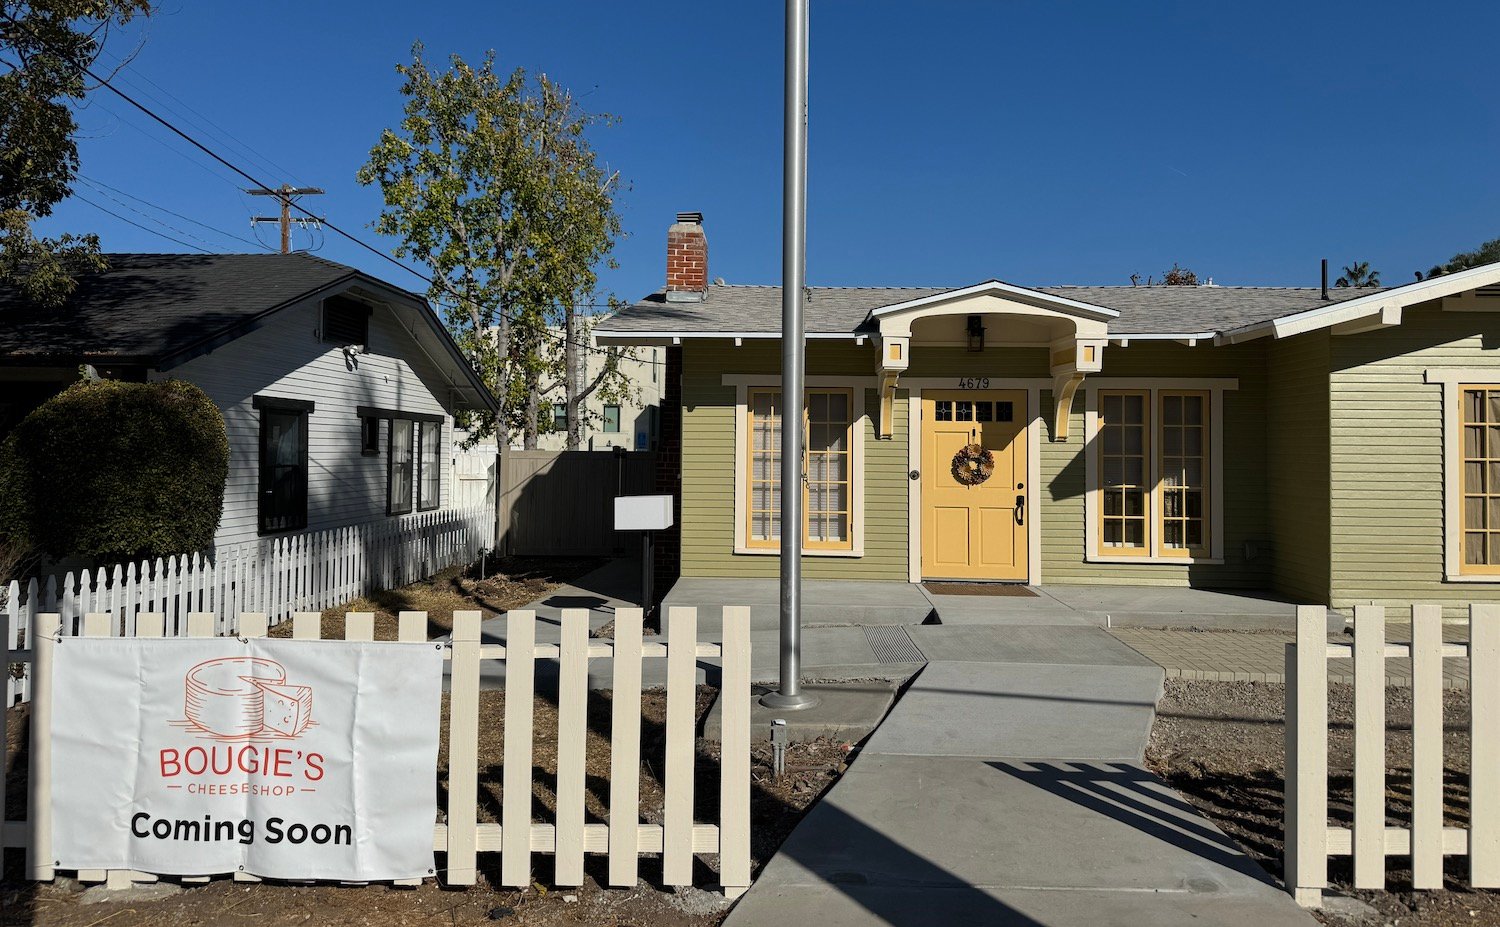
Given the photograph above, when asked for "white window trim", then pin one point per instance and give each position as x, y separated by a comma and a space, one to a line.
743, 383
1215, 387
1450, 380
913, 387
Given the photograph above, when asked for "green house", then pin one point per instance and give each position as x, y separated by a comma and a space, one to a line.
1334, 446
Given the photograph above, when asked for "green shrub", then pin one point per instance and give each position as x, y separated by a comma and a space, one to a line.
116, 471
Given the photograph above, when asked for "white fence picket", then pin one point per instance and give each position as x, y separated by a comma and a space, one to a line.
515, 821
1369, 747
625, 751
1426, 746
572, 744
682, 691
1484, 746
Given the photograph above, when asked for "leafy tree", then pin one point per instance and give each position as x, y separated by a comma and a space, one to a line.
1179, 276
47, 47
1487, 253
491, 182
1358, 274
150, 485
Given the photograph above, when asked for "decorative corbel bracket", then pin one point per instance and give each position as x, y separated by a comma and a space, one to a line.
895, 353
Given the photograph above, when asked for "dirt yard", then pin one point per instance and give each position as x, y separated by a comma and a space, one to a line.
509, 583
776, 806
1221, 745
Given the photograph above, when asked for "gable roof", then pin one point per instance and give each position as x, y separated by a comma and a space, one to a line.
1161, 311
158, 310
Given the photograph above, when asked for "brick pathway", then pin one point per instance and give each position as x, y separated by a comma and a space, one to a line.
1236, 656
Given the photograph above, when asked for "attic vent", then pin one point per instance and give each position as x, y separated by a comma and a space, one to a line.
345, 321
1489, 292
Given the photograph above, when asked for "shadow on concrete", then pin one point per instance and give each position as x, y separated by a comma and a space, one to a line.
1133, 796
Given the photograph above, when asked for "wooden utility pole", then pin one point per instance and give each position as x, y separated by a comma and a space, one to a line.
286, 193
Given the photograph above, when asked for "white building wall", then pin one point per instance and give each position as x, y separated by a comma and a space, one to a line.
645, 371
285, 359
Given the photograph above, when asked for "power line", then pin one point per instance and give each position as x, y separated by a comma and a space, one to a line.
104, 188
139, 226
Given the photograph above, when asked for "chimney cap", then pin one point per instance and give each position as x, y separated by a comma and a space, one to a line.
690, 218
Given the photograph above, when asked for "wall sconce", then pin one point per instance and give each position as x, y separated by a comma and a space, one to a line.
976, 334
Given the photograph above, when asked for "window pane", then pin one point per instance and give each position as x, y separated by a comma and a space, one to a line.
1494, 406
984, 412
1171, 441
401, 465
1473, 476
1192, 410
1473, 442
1192, 443
1113, 406
611, 419
965, 410
1135, 502
1135, 533
1474, 548
1113, 503
1171, 410
1135, 407
944, 410
1005, 411
838, 408
432, 465
1113, 439
1473, 406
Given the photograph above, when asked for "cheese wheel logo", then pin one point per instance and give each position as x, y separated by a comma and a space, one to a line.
242, 698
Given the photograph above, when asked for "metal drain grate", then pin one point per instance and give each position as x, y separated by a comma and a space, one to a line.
892, 644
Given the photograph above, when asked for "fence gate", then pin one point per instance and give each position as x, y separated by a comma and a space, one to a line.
1310, 841
516, 837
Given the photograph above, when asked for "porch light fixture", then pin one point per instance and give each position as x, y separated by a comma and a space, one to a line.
976, 334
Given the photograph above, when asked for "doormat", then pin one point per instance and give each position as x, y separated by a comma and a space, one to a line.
1011, 589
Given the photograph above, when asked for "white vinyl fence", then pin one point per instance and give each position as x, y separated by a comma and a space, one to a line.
1310, 840
275, 577
516, 837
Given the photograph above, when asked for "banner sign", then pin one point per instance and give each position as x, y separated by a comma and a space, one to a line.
282, 759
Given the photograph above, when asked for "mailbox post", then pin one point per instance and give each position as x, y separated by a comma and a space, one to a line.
644, 514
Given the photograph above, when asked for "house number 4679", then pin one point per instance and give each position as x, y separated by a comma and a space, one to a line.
973, 382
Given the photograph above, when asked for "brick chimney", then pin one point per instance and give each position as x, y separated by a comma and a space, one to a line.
687, 259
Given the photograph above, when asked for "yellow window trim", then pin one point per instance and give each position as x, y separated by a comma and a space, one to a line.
1153, 547
1464, 567
1145, 518
1158, 490
774, 544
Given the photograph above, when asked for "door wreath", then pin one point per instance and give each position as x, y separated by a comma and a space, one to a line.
973, 465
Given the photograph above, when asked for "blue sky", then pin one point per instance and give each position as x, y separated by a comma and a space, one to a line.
951, 142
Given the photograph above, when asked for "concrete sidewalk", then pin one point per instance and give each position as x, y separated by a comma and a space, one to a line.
1011, 793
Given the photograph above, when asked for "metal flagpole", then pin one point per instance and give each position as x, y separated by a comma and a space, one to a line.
793, 280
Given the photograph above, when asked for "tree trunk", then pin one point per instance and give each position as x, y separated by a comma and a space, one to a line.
573, 376
533, 408
502, 426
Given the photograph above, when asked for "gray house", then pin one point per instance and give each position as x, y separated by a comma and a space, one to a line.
338, 389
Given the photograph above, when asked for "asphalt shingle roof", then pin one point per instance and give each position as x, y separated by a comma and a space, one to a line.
1143, 309
150, 306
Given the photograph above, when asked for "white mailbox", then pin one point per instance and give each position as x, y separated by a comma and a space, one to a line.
643, 513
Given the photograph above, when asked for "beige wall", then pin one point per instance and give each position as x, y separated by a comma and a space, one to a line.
1386, 456
1297, 459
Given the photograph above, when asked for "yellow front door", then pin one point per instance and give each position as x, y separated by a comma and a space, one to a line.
973, 525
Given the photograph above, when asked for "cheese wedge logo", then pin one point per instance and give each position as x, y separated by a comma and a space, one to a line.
245, 698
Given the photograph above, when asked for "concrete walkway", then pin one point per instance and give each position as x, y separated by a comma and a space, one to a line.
1011, 792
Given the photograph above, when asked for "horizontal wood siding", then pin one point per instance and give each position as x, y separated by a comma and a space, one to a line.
708, 447
1297, 443
285, 359
1386, 457
1246, 531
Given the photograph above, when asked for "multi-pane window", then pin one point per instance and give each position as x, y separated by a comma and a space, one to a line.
1123, 455
1184, 439
1153, 473
828, 467
968, 410
1481, 479
429, 465
828, 496
765, 467
400, 462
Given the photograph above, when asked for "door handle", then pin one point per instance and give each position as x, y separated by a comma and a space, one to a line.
1020, 508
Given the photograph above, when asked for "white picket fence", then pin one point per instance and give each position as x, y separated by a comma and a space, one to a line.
624, 838
275, 577
1310, 840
